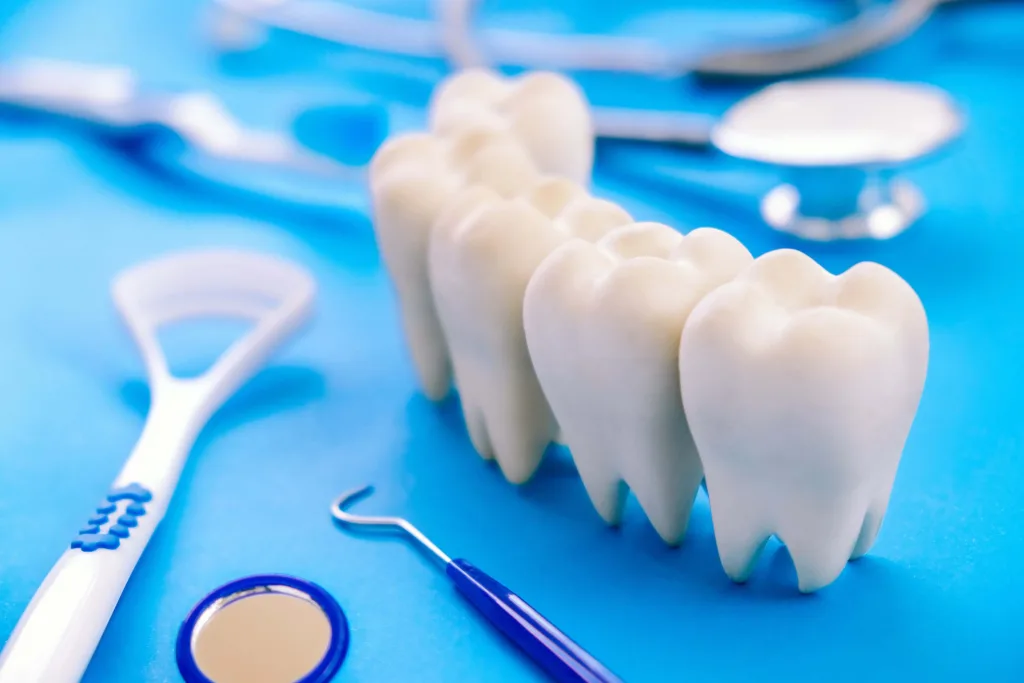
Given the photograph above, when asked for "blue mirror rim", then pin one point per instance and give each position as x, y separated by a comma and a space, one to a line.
336, 650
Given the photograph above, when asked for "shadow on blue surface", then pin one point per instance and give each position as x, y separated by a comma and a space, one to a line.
556, 490
129, 164
350, 133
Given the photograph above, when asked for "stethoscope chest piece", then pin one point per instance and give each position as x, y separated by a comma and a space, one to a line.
263, 629
839, 145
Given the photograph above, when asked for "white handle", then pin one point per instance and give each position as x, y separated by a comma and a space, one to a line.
56, 636
64, 622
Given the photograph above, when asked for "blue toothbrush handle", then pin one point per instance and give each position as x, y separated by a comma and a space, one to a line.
563, 659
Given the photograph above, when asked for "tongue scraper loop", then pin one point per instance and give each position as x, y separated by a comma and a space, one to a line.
215, 284
61, 627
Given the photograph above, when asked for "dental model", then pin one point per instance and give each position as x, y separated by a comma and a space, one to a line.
412, 179
603, 323
479, 268
546, 111
477, 137
800, 388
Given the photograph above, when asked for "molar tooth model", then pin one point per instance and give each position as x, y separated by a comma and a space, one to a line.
603, 323
479, 271
657, 358
484, 130
547, 112
800, 388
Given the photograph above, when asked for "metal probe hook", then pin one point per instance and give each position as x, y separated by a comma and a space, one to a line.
563, 659
349, 497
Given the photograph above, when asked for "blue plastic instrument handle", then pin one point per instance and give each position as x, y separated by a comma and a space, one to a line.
563, 659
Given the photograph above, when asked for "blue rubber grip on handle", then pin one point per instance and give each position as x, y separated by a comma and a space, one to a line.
554, 651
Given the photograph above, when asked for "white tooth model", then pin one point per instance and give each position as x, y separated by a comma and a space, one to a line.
603, 323
800, 388
546, 111
477, 137
412, 180
479, 269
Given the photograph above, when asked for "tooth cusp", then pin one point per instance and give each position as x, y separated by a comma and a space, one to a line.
552, 195
469, 89
821, 544
739, 522
401, 150
607, 493
547, 112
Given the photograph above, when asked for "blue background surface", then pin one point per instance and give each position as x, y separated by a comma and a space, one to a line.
938, 598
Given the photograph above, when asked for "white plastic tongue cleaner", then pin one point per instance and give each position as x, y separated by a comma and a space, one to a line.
57, 634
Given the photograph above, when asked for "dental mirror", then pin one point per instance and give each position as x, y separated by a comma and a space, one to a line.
263, 629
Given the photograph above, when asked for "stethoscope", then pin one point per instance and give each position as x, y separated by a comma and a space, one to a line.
837, 144
825, 155
841, 193
242, 24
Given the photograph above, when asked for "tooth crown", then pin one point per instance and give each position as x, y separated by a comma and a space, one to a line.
481, 259
603, 323
547, 112
413, 178
801, 388
484, 130
834, 346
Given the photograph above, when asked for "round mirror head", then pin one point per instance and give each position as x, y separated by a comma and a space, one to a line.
263, 629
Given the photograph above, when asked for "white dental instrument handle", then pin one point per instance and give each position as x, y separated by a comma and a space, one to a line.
60, 629
56, 636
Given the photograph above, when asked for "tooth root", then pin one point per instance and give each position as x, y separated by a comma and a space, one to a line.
473, 413
868, 533
821, 544
512, 425
872, 523
426, 344
666, 490
478, 433
604, 485
520, 426
740, 533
